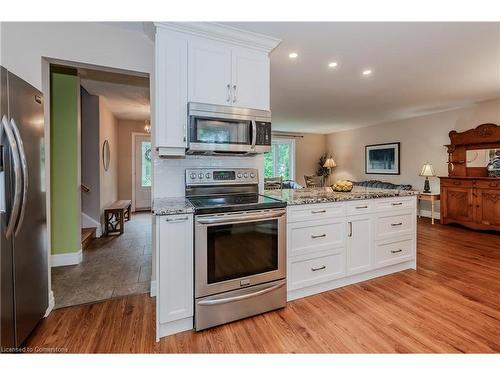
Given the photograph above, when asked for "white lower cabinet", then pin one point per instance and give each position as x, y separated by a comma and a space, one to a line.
359, 243
174, 234
336, 244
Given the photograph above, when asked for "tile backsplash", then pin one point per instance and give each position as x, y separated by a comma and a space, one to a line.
169, 174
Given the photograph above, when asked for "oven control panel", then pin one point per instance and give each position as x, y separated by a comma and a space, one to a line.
221, 176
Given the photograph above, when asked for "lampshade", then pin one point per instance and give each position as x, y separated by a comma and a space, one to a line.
330, 163
427, 170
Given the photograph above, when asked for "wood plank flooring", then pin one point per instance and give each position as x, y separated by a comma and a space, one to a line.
450, 304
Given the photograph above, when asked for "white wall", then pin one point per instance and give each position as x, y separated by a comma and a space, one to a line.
422, 139
108, 180
25, 43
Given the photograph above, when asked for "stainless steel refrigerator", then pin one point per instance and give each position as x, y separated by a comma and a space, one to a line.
23, 239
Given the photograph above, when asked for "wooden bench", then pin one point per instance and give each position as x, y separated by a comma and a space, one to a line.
115, 216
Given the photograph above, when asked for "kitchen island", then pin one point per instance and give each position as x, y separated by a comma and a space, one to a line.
340, 238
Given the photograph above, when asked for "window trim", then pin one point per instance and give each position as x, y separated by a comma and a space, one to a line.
291, 142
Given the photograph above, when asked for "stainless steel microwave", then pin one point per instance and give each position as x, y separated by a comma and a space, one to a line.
224, 130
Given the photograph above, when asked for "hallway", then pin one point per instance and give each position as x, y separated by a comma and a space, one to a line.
112, 266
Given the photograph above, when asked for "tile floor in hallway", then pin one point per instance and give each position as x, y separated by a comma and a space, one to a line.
112, 266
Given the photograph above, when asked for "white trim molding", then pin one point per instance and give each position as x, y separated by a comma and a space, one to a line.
224, 33
152, 291
89, 222
52, 303
66, 259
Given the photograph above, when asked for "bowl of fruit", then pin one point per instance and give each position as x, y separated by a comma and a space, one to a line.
342, 186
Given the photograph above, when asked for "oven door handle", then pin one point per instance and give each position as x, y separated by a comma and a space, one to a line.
237, 218
221, 301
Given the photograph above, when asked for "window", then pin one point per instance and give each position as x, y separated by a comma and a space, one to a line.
281, 160
146, 164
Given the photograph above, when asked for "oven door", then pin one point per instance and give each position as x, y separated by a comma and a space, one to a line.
238, 250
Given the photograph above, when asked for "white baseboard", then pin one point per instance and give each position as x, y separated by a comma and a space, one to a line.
427, 213
88, 222
66, 259
152, 290
171, 328
52, 303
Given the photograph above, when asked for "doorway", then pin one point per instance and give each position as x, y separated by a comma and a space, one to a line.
112, 107
141, 175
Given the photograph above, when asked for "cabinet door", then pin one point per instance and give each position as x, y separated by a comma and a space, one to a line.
171, 92
175, 294
250, 79
457, 203
209, 72
488, 207
359, 244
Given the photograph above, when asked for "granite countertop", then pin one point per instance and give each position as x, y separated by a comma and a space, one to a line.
326, 194
171, 206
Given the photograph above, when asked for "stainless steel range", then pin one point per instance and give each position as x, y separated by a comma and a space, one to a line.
240, 246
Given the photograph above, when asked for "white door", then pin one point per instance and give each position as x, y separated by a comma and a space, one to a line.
142, 177
250, 77
359, 244
209, 72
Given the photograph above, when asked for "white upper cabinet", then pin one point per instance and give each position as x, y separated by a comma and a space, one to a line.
250, 79
209, 72
171, 92
206, 63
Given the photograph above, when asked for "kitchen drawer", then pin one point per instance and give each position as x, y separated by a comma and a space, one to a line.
360, 207
316, 235
390, 225
307, 271
315, 211
395, 251
488, 184
456, 182
395, 204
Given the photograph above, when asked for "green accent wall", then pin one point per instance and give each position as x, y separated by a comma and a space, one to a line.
64, 197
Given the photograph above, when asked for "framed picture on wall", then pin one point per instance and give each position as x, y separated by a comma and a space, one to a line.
382, 158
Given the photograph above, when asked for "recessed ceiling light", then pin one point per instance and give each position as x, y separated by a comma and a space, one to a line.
293, 55
367, 72
333, 64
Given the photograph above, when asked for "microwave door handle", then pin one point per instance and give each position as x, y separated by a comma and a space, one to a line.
254, 134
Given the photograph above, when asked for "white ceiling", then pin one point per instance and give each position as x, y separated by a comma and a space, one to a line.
127, 96
418, 68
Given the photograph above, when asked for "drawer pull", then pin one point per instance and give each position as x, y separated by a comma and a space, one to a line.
318, 269
396, 251
457, 183
360, 207
318, 235
397, 204
396, 224
318, 212
179, 219
493, 184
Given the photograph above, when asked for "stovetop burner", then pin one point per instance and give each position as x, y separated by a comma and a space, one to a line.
233, 202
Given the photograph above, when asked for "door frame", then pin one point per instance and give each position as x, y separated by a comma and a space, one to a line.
134, 136
46, 62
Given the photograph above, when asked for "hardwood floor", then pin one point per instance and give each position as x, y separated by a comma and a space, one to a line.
450, 304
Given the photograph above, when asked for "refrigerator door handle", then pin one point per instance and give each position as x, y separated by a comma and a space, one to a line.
17, 178
24, 168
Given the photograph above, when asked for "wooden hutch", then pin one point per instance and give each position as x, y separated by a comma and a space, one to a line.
468, 196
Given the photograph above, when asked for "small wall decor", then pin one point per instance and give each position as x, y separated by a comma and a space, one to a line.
382, 158
106, 155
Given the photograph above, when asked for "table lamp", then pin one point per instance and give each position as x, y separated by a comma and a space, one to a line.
427, 171
329, 163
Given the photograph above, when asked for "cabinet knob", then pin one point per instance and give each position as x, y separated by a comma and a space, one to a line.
228, 99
